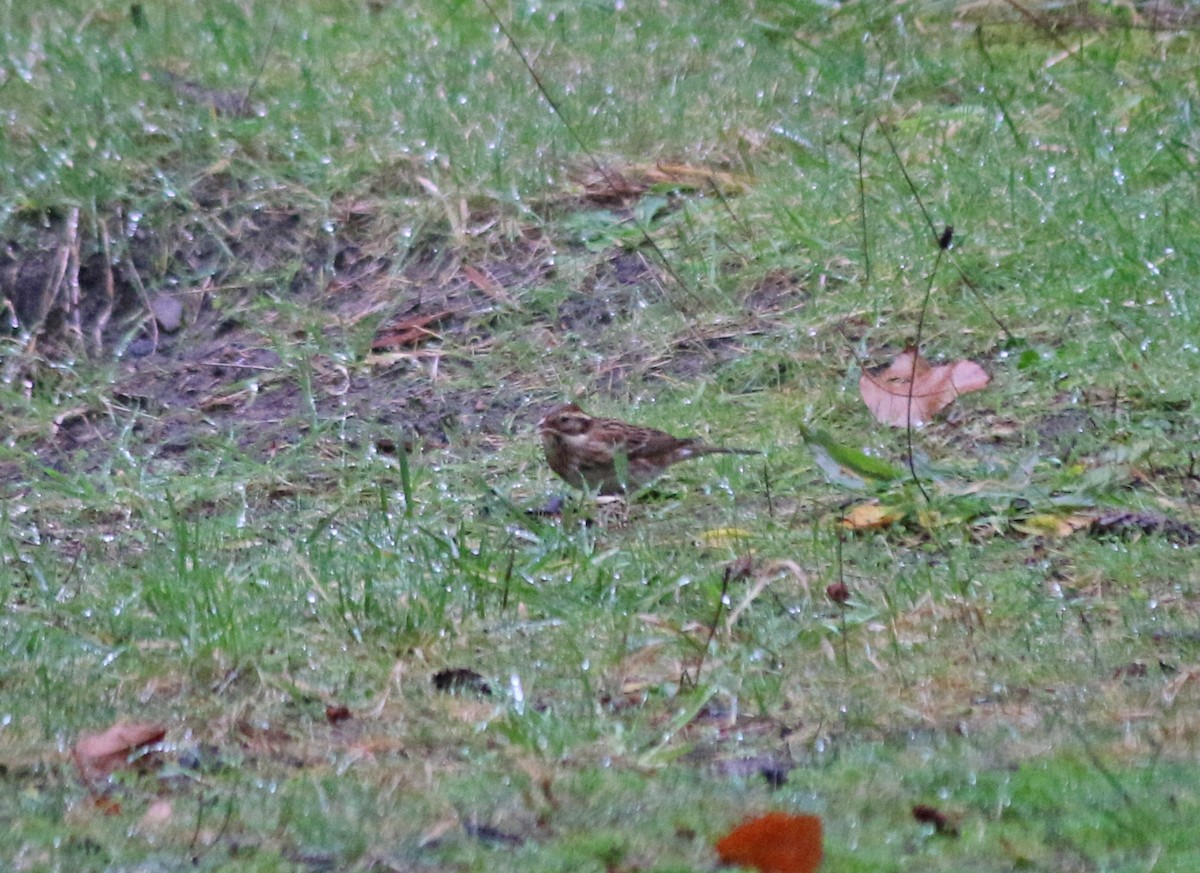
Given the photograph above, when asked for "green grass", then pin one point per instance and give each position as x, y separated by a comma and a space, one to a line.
221, 538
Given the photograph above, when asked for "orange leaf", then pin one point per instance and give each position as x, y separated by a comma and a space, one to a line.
774, 843
98, 755
911, 382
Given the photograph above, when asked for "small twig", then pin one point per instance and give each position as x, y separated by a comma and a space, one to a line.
196, 857
508, 574
862, 208
136, 280
102, 318
738, 223
767, 489
402, 451
51, 289
1128, 339
712, 628
202, 801
981, 300
1102, 768
912, 376
938, 236
943, 240
71, 569
233, 365
841, 568
1013, 130
266, 55
912, 186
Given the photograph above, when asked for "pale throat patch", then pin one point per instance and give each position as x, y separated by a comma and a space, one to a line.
577, 439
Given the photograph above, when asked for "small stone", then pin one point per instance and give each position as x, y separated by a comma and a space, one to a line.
168, 312
141, 347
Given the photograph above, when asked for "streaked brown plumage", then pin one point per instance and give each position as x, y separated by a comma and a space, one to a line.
586, 452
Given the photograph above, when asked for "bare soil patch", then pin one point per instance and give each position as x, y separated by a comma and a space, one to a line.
243, 318
235, 362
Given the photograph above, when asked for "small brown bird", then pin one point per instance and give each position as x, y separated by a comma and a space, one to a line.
609, 456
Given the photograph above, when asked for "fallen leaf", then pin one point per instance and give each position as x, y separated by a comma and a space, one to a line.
699, 178
846, 466
871, 516
774, 843
912, 382
621, 184
1050, 524
487, 283
410, 331
98, 755
718, 537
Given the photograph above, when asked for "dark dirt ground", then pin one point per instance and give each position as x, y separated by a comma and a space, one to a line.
208, 344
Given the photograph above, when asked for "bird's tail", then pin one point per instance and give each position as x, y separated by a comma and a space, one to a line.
696, 451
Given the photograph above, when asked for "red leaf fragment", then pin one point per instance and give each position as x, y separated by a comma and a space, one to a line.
774, 843
98, 755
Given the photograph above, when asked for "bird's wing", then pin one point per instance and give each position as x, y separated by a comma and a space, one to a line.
646, 442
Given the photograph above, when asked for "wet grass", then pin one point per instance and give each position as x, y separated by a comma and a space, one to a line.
280, 559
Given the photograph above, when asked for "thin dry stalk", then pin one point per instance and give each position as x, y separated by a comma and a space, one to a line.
136, 281
106, 309
74, 317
